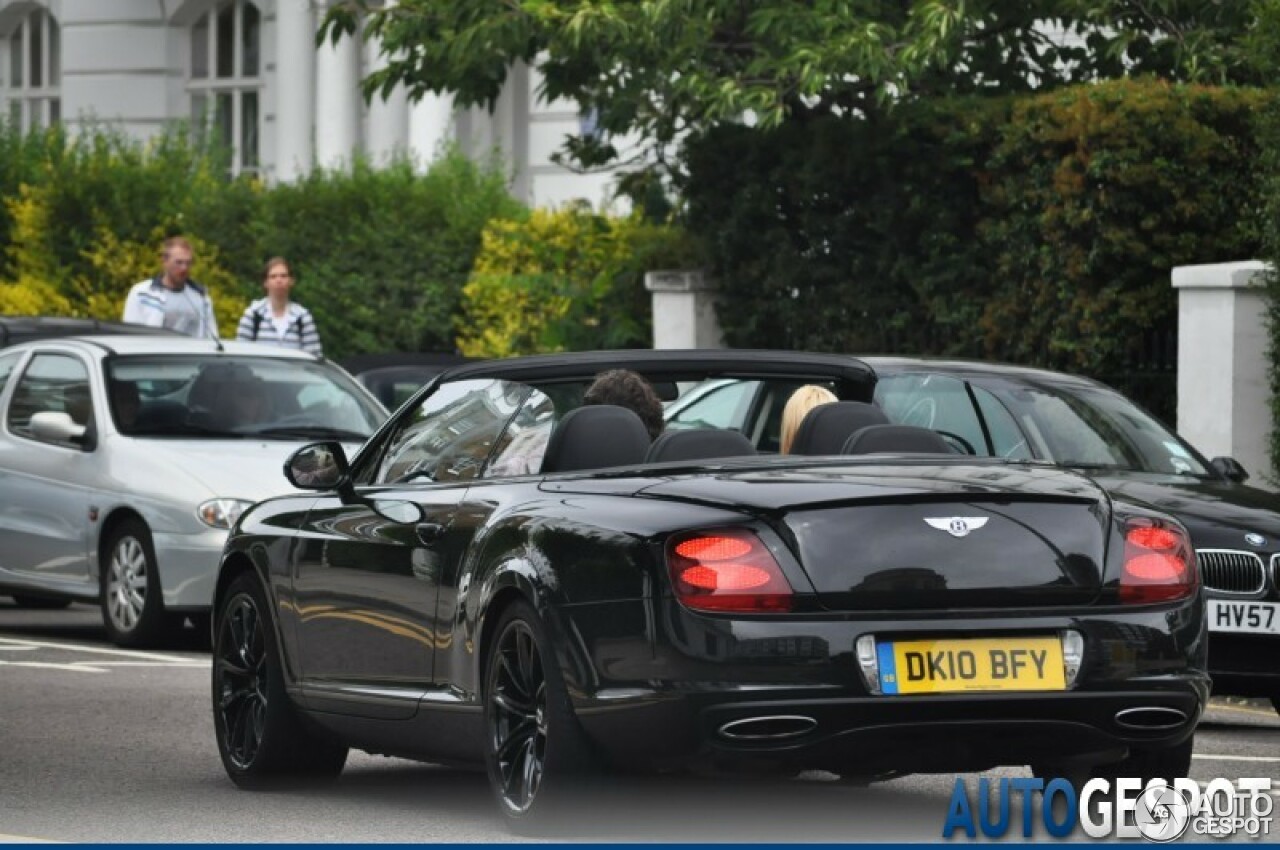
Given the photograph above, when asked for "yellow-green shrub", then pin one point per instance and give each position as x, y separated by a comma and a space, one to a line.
30, 297
564, 280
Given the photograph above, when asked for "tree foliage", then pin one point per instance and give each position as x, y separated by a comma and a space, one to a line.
1039, 230
659, 68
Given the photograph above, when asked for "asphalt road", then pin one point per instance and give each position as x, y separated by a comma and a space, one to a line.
103, 745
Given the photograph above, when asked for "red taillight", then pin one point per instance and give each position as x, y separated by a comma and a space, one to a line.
728, 570
713, 548
1159, 564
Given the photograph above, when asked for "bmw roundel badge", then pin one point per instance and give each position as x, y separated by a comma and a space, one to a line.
1255, 539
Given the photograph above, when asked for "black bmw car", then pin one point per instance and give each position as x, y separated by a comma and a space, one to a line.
505, 576
1016, 412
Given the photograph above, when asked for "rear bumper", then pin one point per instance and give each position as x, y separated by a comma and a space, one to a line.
659, 684
875, 735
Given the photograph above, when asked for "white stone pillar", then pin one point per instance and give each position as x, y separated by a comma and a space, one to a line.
431, 126
295, 94
684, 312
337, 102
1223, 392
387, 133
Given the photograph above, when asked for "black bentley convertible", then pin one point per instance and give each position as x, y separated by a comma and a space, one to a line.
503, 575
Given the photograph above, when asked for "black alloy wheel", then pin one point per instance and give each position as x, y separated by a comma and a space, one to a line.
261, 737
518, 720
241, 686
535, 750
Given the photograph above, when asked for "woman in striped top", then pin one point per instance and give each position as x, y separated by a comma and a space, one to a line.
276, 320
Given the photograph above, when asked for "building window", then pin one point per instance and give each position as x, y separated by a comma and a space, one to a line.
33, 70
226, 62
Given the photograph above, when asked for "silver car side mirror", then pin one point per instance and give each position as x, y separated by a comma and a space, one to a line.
54, 426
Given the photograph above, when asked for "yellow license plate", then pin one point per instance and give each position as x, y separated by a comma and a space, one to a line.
971, 664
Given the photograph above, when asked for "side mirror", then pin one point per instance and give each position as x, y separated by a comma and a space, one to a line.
319, 466
54, 426
1229, 468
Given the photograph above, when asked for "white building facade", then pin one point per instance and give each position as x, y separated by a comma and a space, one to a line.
250, 70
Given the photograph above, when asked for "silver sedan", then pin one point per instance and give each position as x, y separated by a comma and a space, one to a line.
125, 460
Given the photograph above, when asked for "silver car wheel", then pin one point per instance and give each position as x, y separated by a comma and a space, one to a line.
127, 584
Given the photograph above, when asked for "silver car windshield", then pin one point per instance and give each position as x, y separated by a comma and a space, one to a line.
227, 397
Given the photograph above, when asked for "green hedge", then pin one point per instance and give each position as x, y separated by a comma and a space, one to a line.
1270, 217
834, 235
381, 255
1039, 230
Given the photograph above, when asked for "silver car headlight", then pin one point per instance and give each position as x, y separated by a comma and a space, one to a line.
222, 513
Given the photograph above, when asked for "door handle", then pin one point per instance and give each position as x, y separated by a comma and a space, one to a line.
429, 532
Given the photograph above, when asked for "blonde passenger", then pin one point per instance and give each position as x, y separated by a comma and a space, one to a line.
798, 406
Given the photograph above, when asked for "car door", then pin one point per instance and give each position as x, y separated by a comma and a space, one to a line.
46, 487
368, 573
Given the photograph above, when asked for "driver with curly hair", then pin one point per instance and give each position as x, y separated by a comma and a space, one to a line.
628, 389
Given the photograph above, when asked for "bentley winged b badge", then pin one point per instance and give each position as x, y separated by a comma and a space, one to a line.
957, 526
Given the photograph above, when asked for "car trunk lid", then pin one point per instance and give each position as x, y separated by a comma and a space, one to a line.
917, 536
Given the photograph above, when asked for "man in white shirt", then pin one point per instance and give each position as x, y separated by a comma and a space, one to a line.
171, 299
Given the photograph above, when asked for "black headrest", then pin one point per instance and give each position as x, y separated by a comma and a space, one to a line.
596, 436
698, 444
904, 439
824, 430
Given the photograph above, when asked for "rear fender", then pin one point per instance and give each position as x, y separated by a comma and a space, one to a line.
559, 555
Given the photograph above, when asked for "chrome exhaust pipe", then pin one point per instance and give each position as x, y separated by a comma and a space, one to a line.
1151, 718
771, 728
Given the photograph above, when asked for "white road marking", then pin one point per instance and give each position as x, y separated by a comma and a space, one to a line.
1242, 709
23, 839
1210, 757
114, 657
75, 668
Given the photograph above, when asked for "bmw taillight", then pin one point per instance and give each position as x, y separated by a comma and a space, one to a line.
727, 570
1159, 563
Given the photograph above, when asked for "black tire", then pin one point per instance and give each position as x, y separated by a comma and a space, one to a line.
132, 603
536, 754
1167, 763
262, 740
40, 602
